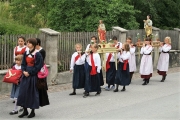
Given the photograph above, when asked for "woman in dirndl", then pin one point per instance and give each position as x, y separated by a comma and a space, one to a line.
28, 97
42, 82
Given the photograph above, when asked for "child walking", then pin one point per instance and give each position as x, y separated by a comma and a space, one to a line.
122, 73
92, 82
163, 62
132, 58
146, 67
15, 87
77, 66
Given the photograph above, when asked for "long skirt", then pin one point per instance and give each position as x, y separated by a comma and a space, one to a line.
163, 63
122, 76
43, 95
92, 82
15, 91
28, 93
146, 66
111, 73
101, 78
78, 77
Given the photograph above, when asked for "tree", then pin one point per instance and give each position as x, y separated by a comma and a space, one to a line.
84, 15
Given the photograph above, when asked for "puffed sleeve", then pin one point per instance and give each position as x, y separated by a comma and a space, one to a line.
72, 61
142, 50
14, 54
87, 48
98, 59
125, 55
37, 65
166, 48
24, 63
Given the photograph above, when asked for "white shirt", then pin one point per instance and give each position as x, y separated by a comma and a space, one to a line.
80, 61
132, 49
112, 57
147, 49
97, 61
120, 45
165, 48
124, 56
17, 67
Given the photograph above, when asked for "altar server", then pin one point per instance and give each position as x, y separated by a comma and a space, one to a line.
146, 66
163, 62
77, 66
132, 59
92, 82
122, 73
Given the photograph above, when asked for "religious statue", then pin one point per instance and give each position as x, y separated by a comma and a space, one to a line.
148, 26
101, 31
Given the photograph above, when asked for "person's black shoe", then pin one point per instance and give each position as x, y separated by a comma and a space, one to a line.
86, 95
73, 93
21, 109
13, 102
23, 114
116, 90
162, 81
123, 90
32, 114
13, 112
145, 83
98, 93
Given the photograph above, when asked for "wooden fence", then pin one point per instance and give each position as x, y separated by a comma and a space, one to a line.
66, 44
7, 45
67, 41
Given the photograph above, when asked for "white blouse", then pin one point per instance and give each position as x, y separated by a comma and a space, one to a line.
80, 61
165, 48
97, 61
147, 49
124, 56
17, 67
132, 50
120, 45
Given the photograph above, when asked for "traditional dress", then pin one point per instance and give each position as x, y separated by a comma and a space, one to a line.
43, 87
15, 87
163, 62
77, 65
132, 61
28, 92
146, 66
92, 83
122, 73
20, 50
102, 32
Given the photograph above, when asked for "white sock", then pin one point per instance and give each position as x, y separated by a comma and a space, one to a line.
15, 105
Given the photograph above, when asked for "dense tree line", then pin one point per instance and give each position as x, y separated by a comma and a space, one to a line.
83, 15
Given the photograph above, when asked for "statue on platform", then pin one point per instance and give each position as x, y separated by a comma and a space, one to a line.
148, 26
101, 31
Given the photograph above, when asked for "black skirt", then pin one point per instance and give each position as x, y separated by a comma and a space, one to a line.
92, 82
43, 96
78, 77
101, 78
111, 73
122, 76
